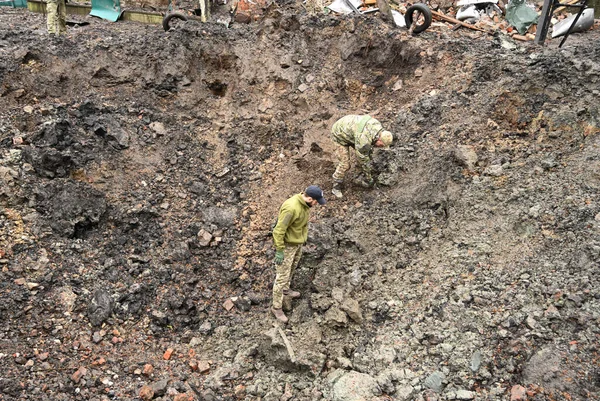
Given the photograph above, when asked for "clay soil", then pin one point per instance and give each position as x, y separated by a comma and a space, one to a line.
140, 171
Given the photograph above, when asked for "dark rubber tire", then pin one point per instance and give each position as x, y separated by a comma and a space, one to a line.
167, 20
423, 9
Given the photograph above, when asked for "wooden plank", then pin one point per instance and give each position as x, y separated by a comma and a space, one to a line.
143, 17
37, 6
443, 17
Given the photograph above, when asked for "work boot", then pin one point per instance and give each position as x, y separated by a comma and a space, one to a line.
337, 190
292, 294
279, 315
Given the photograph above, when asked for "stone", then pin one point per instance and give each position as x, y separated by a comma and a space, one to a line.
353, 386
466, 156
302, 87
160, 387
404, 393
465, 395
167, 354
552, 312
31, 286
195, 341
285, 61
120, 138
220, 216
435, 381
265, 105
336, 317
146, 393
198, 188
338, 294
204, 238
100, 308
495, 170
543, 367
148, 369
96, 337
228, 304
475, 361
76, 377
518, 393
243, 303
203, 366
352, 308
159, 317
158, 128
239, 391
205, 327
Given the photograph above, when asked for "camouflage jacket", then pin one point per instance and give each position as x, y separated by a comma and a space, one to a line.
292, 222
359, 132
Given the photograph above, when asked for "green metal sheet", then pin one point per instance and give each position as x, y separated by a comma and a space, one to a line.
106, 9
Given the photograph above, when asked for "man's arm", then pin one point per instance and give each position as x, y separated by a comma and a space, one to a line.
364, 148
283, 221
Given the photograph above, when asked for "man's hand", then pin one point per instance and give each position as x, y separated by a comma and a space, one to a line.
279, 257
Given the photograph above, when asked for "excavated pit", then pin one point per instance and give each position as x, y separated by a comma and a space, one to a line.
140, 172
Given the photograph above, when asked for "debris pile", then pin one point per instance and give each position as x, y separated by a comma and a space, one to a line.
140, 173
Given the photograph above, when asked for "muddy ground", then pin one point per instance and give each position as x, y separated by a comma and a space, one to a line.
140, 172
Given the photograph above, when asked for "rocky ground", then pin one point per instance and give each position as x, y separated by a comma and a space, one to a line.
140, 172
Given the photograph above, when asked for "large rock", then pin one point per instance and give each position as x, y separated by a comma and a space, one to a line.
220, 216
49, 162
352, 308
435, 381
544, 367
100, 308
71, 207
465, 156
335, 317
352, 386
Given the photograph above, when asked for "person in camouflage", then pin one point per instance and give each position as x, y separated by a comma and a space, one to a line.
289, 234
361, 133
57, 17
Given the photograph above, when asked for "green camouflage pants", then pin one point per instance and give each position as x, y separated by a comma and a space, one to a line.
285, 271
57, 17
342, 154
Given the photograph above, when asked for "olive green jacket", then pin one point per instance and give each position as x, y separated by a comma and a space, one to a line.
359, 132
292, 222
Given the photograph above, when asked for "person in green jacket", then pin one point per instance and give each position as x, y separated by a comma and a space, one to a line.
289, 234
362, 133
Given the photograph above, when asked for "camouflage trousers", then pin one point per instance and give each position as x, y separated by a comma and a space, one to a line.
57, 17
342, 154
285, 271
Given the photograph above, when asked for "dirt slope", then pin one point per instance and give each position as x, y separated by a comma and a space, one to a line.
140, 172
